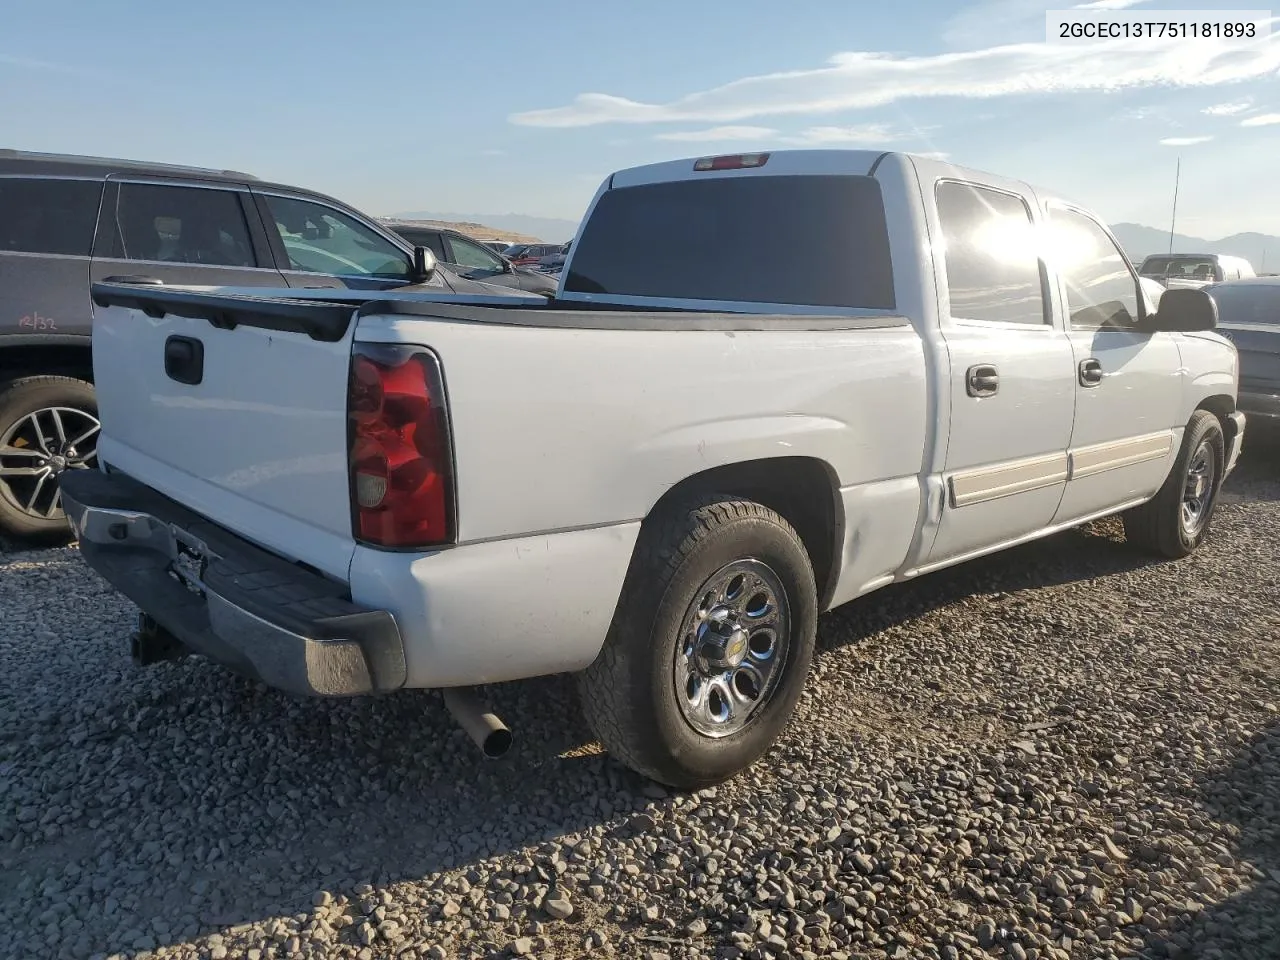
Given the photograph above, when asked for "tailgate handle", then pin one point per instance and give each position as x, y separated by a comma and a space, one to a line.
184, 359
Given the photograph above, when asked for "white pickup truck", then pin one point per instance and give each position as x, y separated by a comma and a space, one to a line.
660, 478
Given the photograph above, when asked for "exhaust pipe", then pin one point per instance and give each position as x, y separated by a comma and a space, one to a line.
489, 733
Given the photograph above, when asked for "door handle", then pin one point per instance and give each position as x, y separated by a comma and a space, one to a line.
1091, 372
982, 380
148, 281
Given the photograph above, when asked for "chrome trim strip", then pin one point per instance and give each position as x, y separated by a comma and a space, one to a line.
229, 186
1101, 457
1005, 479
52, 176
46, 256
200, 266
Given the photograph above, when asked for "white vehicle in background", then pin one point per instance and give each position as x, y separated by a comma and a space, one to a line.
659, 479
1194, 270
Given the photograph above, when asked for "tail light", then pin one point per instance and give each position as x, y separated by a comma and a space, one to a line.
399, 452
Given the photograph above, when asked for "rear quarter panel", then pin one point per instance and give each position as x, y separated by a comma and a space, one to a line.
565, 439
43, 296
558, 429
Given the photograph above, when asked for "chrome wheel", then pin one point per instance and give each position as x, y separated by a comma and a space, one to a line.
1199, 489
733, 648
37, 449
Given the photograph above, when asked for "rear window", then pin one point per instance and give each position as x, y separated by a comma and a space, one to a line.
1180, 268
1248, 303
804, 240
48, 216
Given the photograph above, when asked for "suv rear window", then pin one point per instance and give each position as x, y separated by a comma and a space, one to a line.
48, 216
1193, 268
803, 240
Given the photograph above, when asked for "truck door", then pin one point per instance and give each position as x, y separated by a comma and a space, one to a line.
1128, 383
1012, 376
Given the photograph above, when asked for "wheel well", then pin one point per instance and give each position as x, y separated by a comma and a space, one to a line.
53, 359
803, 490
1221, 405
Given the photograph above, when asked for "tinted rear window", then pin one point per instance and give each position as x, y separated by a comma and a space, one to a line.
806, 240
48, 216
1185, 267
1248, 303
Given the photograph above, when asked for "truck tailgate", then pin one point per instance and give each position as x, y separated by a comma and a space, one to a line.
233, 406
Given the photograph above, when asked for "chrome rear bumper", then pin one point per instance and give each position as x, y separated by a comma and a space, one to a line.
228, 599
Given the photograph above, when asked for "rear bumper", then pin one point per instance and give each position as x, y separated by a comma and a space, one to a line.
228, 599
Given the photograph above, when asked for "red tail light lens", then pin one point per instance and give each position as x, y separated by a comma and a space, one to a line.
399, 451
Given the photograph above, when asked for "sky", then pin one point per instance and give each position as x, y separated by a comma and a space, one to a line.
525, 108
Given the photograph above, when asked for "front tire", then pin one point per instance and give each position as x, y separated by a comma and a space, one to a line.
710, 646
47, 425
1176, 521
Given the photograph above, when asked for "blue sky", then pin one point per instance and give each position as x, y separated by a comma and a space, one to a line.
524, 108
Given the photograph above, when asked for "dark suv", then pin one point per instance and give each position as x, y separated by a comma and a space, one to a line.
474, 260
68, 221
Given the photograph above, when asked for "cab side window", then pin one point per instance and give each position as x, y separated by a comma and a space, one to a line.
1102, 291
993, 270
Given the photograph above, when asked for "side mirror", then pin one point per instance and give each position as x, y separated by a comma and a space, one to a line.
424, 264
1184, 311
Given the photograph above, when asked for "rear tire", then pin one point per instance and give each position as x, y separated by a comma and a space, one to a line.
33, 412
1177, 520
696, 681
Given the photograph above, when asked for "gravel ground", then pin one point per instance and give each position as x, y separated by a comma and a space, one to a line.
1062, 751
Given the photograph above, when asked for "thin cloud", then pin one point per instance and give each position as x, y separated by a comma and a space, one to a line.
1109, 4
865, 134
1261, 120
48, 66
1229, 109
494, 152
720, 134
870, 133
1183, 141
862, 80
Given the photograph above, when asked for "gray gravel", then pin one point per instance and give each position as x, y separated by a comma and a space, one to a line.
1063, 751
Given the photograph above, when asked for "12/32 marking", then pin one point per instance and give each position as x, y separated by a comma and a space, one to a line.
33, 321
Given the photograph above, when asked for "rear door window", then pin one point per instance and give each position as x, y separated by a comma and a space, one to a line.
176, 224
48, 215
993, 269
802, 240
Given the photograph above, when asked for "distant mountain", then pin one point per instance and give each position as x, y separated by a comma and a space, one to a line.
546, 229
1260, 249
